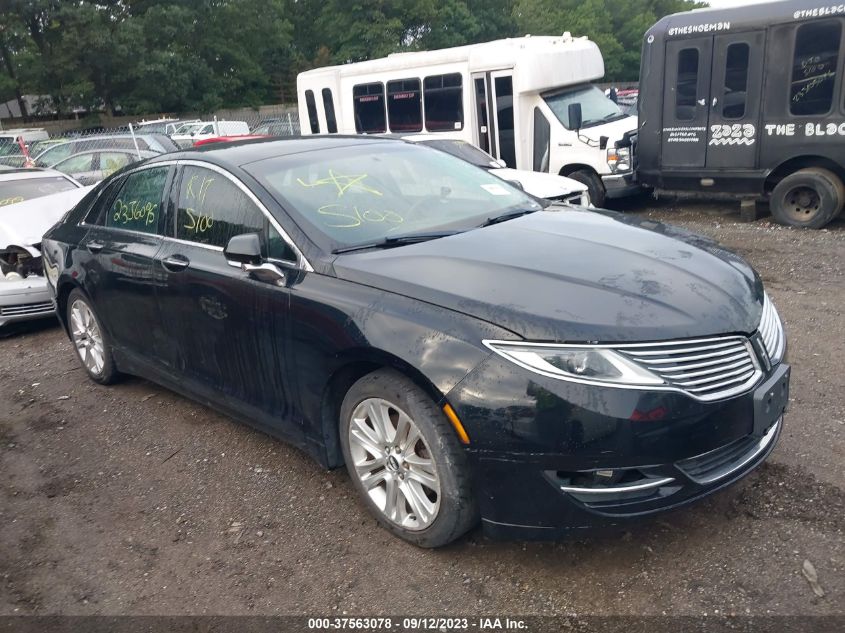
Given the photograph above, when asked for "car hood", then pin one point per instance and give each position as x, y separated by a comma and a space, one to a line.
24, 223
575, 275
539, 184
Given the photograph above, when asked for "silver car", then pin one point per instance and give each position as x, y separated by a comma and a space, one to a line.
31, 201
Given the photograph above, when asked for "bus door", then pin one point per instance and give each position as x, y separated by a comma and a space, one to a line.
735, 98
711, 101
503, 109
686, 88
483, 131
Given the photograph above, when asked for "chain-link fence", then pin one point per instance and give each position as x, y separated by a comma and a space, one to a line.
89, 153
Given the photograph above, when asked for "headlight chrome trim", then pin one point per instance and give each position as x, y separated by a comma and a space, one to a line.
772, 332
736, 385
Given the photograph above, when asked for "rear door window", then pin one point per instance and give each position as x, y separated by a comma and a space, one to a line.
137, 205
311, 105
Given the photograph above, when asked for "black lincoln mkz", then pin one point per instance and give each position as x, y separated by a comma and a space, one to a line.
465, 351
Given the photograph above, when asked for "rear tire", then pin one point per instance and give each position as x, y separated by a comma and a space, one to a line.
90, 340
809, 198
595, 187
405, 460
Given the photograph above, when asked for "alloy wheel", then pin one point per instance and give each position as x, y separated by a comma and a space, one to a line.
394, 464
87, 337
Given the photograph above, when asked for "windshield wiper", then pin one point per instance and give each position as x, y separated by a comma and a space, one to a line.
504, 217
397, 240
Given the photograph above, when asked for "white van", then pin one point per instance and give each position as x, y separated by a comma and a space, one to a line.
519, 99
210, 129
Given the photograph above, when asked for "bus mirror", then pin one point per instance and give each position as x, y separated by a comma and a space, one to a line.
575, 116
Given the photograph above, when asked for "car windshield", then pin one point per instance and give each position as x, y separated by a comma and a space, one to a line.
14, 191
466, 151
596, 108
366, 193
153, 128
187, 128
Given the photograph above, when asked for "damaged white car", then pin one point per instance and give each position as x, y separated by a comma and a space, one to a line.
23, 287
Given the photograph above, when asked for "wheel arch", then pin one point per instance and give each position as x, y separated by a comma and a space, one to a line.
571, 168
798, 163
354, 366
63, 290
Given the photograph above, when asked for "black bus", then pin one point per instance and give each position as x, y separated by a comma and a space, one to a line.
750, 101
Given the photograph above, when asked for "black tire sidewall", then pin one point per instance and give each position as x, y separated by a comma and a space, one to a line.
594, 185
457, 511
109, 373
825, 183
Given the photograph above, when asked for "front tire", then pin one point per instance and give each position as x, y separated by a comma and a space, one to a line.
405, 460
809, 198
90, 339
594, 185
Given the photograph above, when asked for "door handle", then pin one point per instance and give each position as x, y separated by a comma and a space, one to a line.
94, 247
175, 263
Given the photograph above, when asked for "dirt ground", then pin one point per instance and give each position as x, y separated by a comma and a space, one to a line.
132, 500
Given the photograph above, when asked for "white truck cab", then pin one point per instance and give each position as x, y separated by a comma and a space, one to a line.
528, 101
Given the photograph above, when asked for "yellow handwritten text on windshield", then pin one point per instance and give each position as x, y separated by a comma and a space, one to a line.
346, 218
342, 183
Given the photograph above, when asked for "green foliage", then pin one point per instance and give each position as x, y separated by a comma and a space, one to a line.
147, 56
617, 26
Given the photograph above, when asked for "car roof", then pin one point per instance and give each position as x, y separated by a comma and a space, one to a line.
112, 150
29, 173
239, 153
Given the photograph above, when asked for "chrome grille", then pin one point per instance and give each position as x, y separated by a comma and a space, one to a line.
771, 330
708, 369
27, 308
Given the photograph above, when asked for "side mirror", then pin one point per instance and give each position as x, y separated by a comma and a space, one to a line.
575, 116
244, 249
244, 252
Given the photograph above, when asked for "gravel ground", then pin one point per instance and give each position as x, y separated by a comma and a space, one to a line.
132, 500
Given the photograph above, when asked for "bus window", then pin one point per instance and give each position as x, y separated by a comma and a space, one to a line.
687, 84
404, 105
814, 67
328, 106
736, 81
368, 100
504, 119
312, 112
444, 104
542, 141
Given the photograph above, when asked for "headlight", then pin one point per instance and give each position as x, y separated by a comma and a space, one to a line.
771, 329
577, 364
619, 159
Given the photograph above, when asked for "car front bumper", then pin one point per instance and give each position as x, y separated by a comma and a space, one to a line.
24, 300
537, 454
621, 185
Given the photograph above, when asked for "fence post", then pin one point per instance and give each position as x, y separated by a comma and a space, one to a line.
134, 140
216, 127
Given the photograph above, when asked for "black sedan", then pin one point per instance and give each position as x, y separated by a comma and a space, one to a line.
464, 351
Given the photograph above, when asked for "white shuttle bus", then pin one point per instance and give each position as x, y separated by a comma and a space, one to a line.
527, 101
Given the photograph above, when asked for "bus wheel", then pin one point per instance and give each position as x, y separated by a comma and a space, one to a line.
595, 187
809, 198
